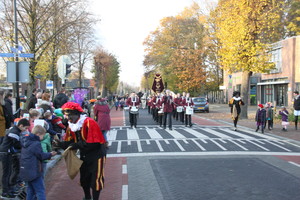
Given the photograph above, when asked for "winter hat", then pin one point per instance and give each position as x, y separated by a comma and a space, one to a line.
260, 105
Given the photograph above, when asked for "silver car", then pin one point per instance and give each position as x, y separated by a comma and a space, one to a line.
201, 104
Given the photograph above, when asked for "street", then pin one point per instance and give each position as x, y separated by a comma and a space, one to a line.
207, 161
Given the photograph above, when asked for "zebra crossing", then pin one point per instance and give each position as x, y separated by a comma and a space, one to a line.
125, 140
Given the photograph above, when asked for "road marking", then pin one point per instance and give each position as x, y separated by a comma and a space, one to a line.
132, 134
242, 141
112, 135
124, 119
294, 164
139, 146
197, 134
259, 134
175, 134
223, 148
167, 141
203, 149
147, 142
119, 146
237, 144
278, 145
124, 169
159, 145
204, 141
154, 134
179, 145
124, 192
223, 141
185, 141
237, 134
129, 142
223, 136
258, 145
206, 153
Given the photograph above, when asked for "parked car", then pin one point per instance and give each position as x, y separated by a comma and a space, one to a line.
201, 104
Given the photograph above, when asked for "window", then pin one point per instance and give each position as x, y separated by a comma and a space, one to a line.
276, 57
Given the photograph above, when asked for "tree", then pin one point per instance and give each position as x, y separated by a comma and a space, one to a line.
42, 25
176, 50
244, 28
106, 72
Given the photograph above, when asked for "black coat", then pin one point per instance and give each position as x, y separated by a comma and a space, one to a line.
9, 110
32, 102
59, 100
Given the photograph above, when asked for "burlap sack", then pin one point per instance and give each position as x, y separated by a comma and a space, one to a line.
72, 161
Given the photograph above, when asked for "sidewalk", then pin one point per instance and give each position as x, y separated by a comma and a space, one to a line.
224, 117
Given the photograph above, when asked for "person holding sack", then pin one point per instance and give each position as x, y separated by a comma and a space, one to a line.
235, 104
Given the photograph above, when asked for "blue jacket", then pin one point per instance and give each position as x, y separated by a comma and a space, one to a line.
32, 156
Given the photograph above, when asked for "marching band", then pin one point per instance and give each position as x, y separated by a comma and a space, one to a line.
163, 107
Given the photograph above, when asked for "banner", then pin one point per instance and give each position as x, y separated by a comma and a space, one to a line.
158, 85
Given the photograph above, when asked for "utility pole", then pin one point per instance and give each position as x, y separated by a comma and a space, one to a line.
16, 56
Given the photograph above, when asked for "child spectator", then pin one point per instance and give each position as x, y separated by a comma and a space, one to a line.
11, 145
33, 115
284, 118
48, 118
57, 123
269, 116
260, 118
22, 112
46, 146
32, 156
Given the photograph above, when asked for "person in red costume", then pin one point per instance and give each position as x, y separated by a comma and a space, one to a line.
83, 133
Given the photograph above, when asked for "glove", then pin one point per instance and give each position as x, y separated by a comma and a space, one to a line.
74, 146
57, 143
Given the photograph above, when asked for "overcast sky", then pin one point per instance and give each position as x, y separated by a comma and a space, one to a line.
124, 26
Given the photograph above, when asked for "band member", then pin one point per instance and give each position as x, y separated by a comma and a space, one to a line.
235, 104
83, 133
168, 106
188, 102
177, 103
149, 102
157, 106
133, 102
153, 102
160, 111
182, 99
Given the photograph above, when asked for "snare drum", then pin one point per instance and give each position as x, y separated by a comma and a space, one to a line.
160, 112
189, 111
179, 109
134, 110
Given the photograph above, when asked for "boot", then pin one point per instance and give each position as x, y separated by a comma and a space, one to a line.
296, 125
257, 129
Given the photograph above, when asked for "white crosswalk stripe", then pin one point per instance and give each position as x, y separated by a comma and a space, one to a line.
197, 139
154, 134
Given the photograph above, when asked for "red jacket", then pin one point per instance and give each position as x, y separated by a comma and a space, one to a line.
168, 104
186, 103
130, 103
102, 114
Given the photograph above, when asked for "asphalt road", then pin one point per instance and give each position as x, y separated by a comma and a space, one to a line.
204, 162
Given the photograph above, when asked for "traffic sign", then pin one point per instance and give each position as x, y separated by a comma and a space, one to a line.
23, 72
26, 55
8, 55
49, 85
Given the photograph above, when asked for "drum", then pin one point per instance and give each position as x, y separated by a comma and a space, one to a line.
189, 111
134, 110
160, 112
179, 109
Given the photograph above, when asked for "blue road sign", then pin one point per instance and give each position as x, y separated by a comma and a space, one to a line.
26, 55
7, 55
